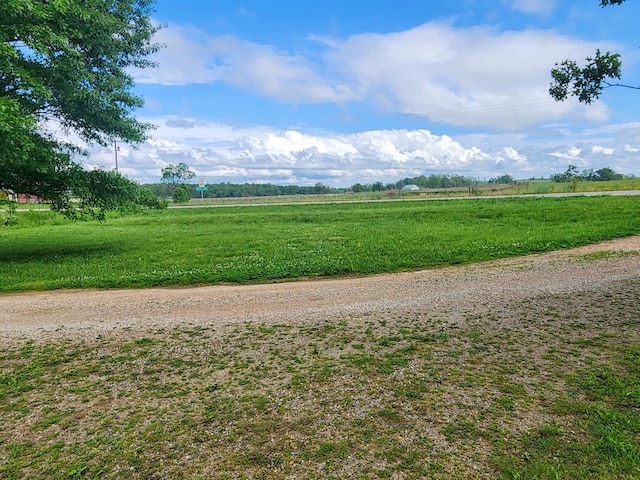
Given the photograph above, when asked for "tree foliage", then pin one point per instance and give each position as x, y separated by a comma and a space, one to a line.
181, 194
31, 161
588, 175
586, 83
105, 191
64, 66
436, 181
502, 180
177, 174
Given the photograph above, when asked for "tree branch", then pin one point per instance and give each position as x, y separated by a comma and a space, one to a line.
634, 87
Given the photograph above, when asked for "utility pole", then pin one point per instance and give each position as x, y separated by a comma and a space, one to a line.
116, 148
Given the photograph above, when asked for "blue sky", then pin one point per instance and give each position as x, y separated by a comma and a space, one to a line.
344, 92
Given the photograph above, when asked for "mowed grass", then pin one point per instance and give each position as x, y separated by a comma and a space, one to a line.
271, 243
545, 389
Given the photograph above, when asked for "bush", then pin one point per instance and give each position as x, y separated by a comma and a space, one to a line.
146, 198
181, 195
8, 218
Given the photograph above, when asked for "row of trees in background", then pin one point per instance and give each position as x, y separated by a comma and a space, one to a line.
587, 175
174, 184
236, 190
436, 181
422, 181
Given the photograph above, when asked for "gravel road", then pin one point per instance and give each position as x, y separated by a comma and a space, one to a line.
451, 290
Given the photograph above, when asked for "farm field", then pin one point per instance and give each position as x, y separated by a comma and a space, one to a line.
274, 243
513, 367
481, 190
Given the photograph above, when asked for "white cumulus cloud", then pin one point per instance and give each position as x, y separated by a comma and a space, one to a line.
572, 154
222, 153
292, 156
476, 76
467, 76
191, 56
602, 150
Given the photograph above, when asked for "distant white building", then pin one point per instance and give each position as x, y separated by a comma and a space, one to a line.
411, 188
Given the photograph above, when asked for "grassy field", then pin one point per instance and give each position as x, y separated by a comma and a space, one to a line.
547, 186
522, 187
272, 243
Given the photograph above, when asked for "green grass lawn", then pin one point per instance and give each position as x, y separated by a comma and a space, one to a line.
271, 243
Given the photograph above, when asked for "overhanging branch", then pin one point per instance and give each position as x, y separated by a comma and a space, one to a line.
634, 87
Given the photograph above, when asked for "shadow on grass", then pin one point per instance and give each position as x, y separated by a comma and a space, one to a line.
28, 252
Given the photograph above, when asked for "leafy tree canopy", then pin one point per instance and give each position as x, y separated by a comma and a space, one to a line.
436, 181
502, 180
177, 174
587, 83
63, 64
588, 175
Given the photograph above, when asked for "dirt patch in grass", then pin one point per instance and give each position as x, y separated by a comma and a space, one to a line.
466, 372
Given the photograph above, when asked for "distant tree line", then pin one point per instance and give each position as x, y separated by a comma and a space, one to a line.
237, 190
172, 181
422, 181
437, 181
174, 184
588, 175
502, 180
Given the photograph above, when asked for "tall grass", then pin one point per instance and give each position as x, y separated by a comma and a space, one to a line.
257, 244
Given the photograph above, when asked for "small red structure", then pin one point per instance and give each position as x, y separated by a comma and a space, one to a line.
23, 197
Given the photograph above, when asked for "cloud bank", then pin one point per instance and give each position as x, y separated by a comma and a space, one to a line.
223, 154
473, 76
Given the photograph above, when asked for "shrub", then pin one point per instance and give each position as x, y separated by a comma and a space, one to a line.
181, 195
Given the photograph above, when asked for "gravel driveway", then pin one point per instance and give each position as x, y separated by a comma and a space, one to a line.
468, 289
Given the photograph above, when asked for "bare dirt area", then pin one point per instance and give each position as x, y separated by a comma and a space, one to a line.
448, 291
